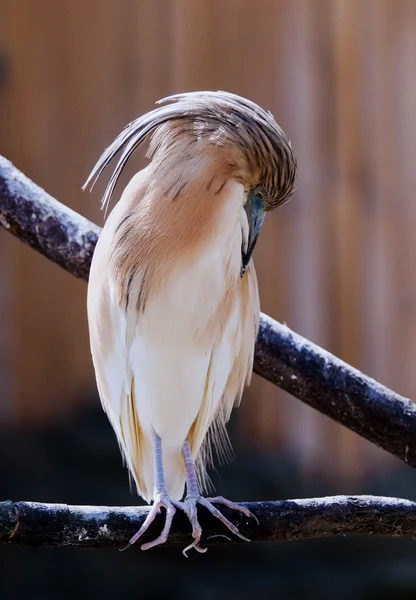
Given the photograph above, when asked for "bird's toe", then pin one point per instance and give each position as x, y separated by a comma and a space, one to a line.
190, 508
233, 506
162, 501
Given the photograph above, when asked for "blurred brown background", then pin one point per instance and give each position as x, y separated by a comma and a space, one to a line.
336, 263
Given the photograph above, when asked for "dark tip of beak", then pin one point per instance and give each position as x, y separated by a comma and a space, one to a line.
255, 211
245, 258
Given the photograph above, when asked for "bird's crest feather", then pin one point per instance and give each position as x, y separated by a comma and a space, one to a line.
227, 119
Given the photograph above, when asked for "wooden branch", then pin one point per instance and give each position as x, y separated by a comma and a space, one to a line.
51, 228
282, 356
336, 389
36, 524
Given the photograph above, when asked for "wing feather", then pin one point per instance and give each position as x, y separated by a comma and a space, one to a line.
110, 342
234, 354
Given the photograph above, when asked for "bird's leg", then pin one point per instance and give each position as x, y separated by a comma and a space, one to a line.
193, 498
161, 498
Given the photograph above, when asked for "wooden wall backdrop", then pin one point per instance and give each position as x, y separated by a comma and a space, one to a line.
337, 263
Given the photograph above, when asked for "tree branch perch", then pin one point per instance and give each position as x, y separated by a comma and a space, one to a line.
282, 356
36, 524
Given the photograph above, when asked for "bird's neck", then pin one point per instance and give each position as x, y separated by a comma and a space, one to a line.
173, 209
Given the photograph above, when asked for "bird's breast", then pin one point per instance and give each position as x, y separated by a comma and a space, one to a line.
175, 337
177, 279
195, 310
197, 294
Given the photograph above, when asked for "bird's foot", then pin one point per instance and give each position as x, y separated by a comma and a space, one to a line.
189, 506
161, 500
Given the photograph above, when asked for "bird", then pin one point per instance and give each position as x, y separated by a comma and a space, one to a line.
173, 303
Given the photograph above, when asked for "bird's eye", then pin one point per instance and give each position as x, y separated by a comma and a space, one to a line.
260, 193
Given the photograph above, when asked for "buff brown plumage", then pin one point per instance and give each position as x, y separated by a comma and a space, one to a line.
173, 304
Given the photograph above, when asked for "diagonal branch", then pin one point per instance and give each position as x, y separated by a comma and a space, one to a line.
282, 356
36, 524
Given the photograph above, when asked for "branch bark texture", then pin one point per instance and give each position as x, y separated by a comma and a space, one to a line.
36, 524
282, 356
51, 228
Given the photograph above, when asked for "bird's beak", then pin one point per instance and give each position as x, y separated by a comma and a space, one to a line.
255, 211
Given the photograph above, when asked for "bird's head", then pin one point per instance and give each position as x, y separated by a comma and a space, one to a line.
211, 137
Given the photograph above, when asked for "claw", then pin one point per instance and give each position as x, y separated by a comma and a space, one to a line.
234, 506
160, 501
195, 545
190, 508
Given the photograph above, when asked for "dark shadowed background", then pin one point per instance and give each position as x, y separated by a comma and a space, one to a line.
336, 264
